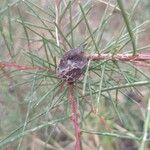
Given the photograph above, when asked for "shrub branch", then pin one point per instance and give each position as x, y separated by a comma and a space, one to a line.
119, 57
92, 57
74, 115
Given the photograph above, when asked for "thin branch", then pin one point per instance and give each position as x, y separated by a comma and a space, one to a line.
127, 22
119, 57
57, 14
123, 135
93, 57
74, 115
146, 125
22, 67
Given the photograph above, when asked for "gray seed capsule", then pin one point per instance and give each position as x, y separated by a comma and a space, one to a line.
71, 65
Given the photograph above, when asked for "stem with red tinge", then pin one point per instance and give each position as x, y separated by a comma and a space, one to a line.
94, 57
74, 115
21, 67
119, 57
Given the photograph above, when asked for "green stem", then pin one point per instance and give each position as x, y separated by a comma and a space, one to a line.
146, 125
126, 20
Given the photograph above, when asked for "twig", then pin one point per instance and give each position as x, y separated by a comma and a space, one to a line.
146, 125
119, 57
22, 67
74, 115
93, 57
127, 22
57, 14
121, 135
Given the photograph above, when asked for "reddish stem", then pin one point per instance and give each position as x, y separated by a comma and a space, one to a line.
119, 57
21, 67
74, 115
93, 57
